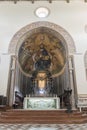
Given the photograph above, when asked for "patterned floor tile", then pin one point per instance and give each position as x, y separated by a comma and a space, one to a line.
43, 127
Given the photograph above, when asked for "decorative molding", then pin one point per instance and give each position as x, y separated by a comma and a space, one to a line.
33, 1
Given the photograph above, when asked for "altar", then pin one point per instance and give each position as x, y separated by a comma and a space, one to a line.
41, 103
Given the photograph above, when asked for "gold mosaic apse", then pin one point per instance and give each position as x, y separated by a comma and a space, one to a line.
53, 55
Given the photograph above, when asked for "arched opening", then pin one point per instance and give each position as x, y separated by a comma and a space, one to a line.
41, 63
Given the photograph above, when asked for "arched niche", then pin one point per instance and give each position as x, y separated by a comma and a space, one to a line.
51, 28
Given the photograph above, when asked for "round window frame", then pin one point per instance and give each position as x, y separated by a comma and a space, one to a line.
42, 10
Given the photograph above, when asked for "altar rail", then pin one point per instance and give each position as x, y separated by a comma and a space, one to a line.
82, 103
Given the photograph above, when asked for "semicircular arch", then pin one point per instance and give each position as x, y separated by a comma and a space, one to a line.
64, 36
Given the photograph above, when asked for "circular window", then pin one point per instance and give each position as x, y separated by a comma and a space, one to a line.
42, 12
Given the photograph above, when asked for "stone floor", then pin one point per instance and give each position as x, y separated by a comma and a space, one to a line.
43, 127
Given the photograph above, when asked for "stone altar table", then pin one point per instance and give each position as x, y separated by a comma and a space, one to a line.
41, 103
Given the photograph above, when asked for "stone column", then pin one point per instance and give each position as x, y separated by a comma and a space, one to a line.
72, 82
12, 69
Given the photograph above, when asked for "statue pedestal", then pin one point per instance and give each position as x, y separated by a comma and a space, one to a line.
41, 103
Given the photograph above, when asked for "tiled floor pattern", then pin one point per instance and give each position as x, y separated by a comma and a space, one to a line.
43, 127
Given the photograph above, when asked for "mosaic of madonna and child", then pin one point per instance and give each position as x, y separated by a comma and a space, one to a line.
42, 51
